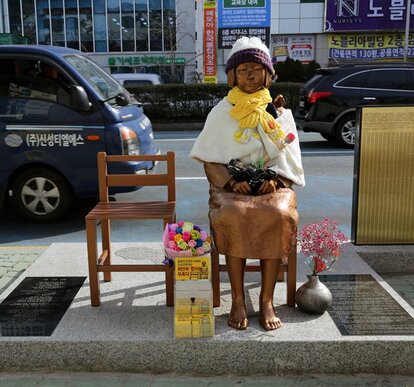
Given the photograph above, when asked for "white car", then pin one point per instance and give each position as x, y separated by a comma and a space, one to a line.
133, 80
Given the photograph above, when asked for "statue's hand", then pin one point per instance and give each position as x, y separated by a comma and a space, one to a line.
267, 186
242, 187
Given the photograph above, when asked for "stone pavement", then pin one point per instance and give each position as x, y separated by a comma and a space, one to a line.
132, 332
14, 260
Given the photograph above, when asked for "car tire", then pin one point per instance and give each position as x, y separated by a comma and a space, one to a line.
345, 132
41, 195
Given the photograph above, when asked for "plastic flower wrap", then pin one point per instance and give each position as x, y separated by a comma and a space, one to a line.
184, 239
321, 243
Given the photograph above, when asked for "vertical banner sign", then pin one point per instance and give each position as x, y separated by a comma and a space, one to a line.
210, 42
237, 18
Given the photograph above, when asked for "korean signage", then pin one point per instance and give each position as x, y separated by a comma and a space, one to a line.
210, 42
365, 15
369, 46
134, 60
300, 47
238, 18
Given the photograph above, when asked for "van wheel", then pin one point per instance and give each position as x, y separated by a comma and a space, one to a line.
41, 195
345, 132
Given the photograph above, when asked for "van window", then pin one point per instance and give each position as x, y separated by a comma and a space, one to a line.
23, 78
103, 83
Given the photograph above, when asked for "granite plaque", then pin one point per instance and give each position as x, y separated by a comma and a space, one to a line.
36, 306
361, 306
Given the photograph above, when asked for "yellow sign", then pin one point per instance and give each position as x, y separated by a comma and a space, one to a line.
210, 4
210, 79
369, 46
194, 325
192, 268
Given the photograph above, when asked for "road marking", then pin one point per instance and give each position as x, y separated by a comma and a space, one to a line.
174, 139
343, 152
191, 178
22, 247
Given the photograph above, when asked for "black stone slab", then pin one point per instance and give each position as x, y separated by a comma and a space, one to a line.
362, 307
36, 306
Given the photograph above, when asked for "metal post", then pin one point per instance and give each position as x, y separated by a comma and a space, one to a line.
407, 29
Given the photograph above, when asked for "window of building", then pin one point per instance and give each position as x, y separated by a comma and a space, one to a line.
43, 21
14, 17
72, 27
155, 24
96, 25
58, 22
85, 24
141, 25
169, 25
29, 21
127, 25
114, 25
100, 26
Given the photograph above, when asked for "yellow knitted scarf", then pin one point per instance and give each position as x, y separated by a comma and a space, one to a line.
250, 110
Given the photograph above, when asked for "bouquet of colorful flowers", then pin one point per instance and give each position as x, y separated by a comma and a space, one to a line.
322, 244
184, 239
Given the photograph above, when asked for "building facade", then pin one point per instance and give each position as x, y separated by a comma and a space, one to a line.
154, 36
167, 37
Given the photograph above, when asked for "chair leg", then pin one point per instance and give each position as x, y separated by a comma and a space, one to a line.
169, 285
291, 278
215, 276
106, 245
92, 262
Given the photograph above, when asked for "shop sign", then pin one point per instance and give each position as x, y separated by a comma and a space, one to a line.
366, 15
227, 36
299, 47
238, 18
133, 60
369, 46
210, 43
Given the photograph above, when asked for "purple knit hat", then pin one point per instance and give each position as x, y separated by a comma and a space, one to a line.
249, 50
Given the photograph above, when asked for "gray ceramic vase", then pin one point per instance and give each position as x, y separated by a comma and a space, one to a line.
313, 296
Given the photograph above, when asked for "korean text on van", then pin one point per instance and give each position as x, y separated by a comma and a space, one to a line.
57, 110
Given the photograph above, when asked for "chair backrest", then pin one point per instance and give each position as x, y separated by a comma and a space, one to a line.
107, 180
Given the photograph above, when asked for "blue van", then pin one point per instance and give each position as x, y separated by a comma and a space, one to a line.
58, 108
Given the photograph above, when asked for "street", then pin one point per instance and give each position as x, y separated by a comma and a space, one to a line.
328, 193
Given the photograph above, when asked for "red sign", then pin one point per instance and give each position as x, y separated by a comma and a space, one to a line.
210, 45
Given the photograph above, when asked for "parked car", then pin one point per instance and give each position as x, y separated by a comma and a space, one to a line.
134, 80
328, 101
53, 126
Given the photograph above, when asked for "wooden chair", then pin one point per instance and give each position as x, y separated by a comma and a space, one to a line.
107, 210
289, 268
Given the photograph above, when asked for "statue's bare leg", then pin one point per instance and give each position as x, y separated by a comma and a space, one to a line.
238, 314
270, 270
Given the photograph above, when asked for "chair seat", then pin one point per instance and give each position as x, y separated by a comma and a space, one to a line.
132, 210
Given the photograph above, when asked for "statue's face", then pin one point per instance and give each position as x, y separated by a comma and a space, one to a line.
250, 77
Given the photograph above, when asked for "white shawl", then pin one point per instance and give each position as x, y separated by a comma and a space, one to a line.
216, 144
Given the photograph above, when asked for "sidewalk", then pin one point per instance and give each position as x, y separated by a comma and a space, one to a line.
132, 331
14, 260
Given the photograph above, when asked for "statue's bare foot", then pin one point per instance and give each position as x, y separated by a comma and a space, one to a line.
268, 318
238, 316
